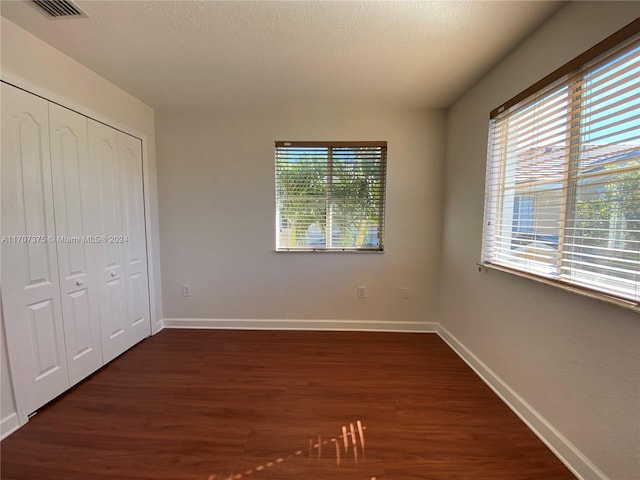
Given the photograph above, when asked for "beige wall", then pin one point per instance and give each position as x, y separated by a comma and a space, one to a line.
573, 359
36, 63
217, 218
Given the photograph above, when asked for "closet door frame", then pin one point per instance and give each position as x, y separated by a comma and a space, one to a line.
21, 401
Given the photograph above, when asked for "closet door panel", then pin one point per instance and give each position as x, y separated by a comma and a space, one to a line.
31, 291
122, 269
103, 145
135, 263
74, 193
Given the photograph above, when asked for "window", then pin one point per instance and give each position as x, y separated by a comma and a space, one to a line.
563, 174
330, 196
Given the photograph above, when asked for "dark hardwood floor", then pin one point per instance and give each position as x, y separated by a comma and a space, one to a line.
218, 405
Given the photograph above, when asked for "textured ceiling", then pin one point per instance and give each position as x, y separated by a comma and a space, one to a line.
206, 54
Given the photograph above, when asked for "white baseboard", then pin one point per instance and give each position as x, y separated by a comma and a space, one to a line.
329, 325
8, 425
566, 451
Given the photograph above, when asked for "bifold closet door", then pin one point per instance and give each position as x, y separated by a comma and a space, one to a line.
122, 273
74, 179
30, 284
74, 273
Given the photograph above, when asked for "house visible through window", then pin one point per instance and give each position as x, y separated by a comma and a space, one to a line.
330, 195
563, 174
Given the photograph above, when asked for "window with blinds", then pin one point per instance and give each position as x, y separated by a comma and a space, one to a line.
330, 196
563, 174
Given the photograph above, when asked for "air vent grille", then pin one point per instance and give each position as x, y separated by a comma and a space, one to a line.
59, 8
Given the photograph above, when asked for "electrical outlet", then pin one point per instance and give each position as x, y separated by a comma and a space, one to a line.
362, 293
405, 293
186, 290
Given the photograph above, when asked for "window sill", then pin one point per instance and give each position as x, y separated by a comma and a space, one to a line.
312, 250
601, 297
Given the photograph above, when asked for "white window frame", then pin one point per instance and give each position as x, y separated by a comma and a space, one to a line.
499, 209
375, 158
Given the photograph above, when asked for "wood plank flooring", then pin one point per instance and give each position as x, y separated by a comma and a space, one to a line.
219, 405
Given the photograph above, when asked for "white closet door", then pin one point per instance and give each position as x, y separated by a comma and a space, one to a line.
103, 145
30, 288
74, 195
121, 289
135, 250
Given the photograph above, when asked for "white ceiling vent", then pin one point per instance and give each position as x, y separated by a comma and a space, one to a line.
59, 8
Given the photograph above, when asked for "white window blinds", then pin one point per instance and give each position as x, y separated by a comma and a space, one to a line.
330, 195
563, 175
